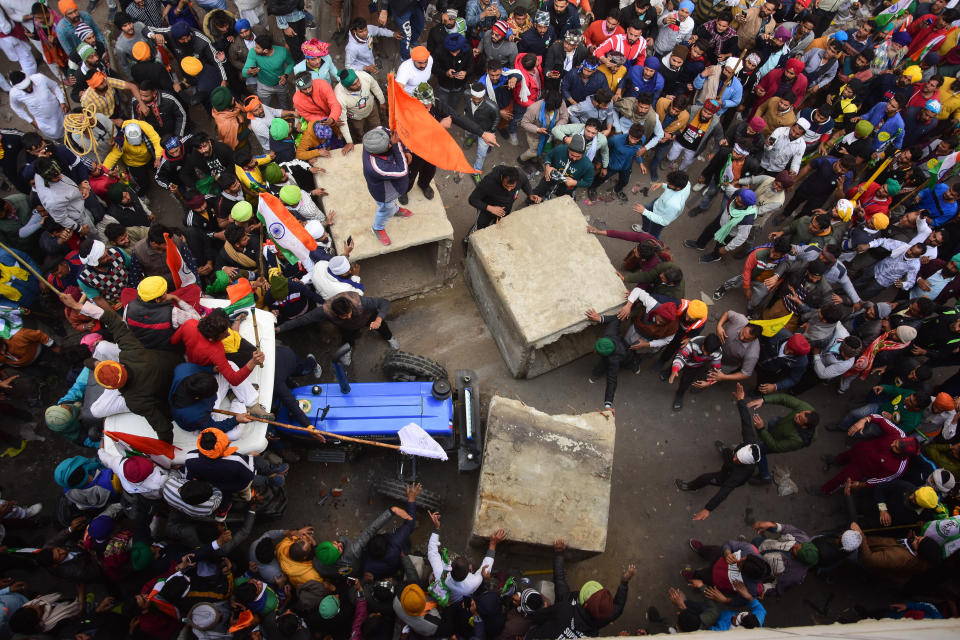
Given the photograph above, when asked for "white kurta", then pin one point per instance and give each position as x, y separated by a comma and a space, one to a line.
42, 105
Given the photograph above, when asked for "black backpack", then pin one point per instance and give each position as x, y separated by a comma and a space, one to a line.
283, 7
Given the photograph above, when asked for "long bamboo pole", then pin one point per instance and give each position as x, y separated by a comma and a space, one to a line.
28, 267
313, 431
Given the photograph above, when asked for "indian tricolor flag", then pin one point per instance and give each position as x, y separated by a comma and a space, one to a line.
947, 164
285, 230
178, 270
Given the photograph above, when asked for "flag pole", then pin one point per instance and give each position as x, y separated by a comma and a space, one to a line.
28, 267
313, 431
253, 312
863, 187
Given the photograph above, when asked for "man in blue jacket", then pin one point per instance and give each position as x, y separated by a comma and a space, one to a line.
624, 147
887, 123
386, 170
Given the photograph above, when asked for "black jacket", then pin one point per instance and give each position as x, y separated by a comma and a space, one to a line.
197, 166
563, 22
172, 115
553, 60
533, 42
732, 473
567, 619
444, 60
486, 116
786, 370
490, 191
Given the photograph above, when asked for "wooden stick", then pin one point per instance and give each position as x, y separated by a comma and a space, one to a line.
28, 267
899, 202
313, 431
899, 526
863, 187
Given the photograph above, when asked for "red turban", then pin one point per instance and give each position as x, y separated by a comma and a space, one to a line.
798, 344
795, 65
137, 468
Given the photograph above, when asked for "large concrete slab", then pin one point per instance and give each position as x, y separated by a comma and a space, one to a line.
545, 476
533, 276
416, 259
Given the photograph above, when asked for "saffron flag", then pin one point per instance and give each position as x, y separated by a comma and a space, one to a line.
770, 327
143, 444
182, 276
421, 133
286, 231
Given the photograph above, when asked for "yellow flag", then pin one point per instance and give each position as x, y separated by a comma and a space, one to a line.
770, 327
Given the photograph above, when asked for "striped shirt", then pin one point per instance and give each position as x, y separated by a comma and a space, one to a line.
171, 495
105, 103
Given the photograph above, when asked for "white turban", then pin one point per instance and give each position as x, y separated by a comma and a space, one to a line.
339, 265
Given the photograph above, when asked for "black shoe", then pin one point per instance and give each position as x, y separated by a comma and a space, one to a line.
404, 200
592, 194
695, 212
677, 403
710, 257
683, 486
620, 196
427, 192
692, 244
760, 481
665, 375
719, 293
653, 615
720, 445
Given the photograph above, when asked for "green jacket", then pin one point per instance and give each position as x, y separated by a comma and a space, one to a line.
799, 233
278, 63
652, 278
902, 417
581, 170
784, 435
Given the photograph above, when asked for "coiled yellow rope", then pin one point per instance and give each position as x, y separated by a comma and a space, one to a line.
82, 124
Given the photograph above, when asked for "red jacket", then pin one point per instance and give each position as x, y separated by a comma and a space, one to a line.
322, 103
873, 459
203, 352
533, 80
771, 81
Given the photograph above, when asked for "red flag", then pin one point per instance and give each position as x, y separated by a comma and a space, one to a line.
144, 444
181, 275
421, 132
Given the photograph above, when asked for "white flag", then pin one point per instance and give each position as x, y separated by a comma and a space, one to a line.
415, 441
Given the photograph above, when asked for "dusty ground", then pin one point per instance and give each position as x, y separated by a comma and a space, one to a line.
650, 519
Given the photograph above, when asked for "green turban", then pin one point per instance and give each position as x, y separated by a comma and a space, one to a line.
290, 195
956, 259
327, 553
242, 211
604, 346
893, 187
329, 607
279, 287
808, 554
219, 282
592, 586
220, 98
84, 51
141, 555
272, 173
115, 192
348, 77
863, 128
279, 129
63, 420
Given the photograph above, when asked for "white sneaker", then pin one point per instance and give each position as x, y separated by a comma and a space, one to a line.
394, 344
698, 187
636, 228
32, 510
317, 369
514, 140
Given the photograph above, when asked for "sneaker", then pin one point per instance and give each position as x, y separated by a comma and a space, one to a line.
710, 257
513, 139
592, 193
394, 344
32, 510
692, 244
403, 212
698, 187
695, 212
317, 369
591, 380
477, 178
683, 486
427, 192
257, 411
636, 227
665, 375
719, 293
404, 199
759, 481
382, 236
677, 403
621, 196
695, 544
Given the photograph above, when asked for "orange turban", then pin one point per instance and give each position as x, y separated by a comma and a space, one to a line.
943, 402
419, 54
110, 374
67, 5
250, 104
221, 446
141, 51
97, 79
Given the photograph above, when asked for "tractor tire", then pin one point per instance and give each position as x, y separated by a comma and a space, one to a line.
407, 367
398, 491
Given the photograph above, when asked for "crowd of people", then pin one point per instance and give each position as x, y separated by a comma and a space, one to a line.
829, 130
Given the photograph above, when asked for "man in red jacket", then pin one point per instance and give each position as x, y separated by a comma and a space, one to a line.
203, 340
870, 462
789, 83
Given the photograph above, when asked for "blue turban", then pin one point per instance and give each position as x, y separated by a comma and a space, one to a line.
66, 468
180, 29
241, 25
455, 42
686, 4
652, 63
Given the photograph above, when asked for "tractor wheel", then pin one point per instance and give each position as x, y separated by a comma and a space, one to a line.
398, 491
407, 367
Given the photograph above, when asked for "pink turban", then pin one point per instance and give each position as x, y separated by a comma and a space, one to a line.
314, 48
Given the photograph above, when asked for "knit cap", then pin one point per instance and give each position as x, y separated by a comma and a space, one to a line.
850, 540
599, 605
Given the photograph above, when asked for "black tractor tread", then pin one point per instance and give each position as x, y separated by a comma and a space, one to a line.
403, 363
398, 491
